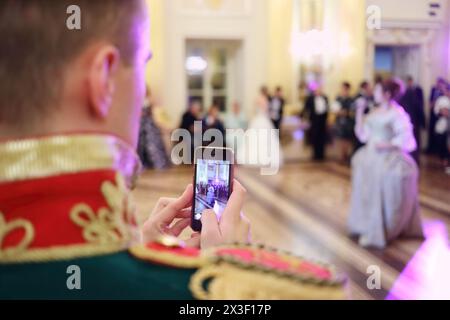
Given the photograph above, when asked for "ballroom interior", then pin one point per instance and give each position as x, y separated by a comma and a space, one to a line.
223, 51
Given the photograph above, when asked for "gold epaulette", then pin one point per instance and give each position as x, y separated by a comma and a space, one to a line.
170, 252
244, 272
247, 272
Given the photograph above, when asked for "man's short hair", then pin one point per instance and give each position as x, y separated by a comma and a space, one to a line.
364, 85
37, 45
347, 85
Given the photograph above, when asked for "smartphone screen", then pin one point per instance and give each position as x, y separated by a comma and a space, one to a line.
213, 179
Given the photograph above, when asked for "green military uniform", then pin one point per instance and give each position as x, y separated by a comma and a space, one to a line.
67, 231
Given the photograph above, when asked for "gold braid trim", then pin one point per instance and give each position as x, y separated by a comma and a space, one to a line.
105, 232
167, 258
228, 282
62, 253
260, 250
67, 154
6, 228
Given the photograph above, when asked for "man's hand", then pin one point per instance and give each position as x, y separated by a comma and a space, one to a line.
233, 225
166, 211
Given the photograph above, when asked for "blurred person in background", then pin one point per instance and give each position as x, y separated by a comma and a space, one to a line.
68, 160
235, 121
276, 108
151, 148
316, 112
413, 103
364, 101
212, 121
384, 200
437, 91
344, 123
264, 91
442, 126
236, 118
194, 113
378, 90
188, 121
365, 98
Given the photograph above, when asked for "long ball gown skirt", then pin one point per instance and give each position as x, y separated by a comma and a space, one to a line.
384, 202
151, 148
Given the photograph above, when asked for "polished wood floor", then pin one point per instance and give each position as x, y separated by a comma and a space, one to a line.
304, 209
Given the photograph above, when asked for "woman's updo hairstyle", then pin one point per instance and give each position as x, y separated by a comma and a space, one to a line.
394, 87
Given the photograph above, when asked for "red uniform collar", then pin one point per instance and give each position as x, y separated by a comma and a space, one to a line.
63, 197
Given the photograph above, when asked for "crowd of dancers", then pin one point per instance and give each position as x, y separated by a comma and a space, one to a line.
378, 131
326, 122
335, 122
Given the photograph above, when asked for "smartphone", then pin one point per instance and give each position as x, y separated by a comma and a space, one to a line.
213, 182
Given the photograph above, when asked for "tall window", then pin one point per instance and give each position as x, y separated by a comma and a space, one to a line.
207, 71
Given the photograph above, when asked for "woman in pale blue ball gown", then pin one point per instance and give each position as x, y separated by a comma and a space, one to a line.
384, 202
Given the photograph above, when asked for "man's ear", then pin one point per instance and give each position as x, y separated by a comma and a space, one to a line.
101, 79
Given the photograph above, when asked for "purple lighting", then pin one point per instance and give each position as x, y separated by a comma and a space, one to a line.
427, 275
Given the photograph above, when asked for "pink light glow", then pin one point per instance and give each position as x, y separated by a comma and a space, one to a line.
427, 275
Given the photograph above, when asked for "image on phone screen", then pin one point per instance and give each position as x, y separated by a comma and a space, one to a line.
212, 188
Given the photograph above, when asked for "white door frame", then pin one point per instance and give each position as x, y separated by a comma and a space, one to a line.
245, 28
402, 37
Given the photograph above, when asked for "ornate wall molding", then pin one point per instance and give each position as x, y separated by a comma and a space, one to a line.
400, 37
216, 8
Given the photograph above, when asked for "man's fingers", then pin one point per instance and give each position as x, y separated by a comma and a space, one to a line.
245, 229
184, 213
232, 212
210, 234
184, 201
162, 203
194, 241
179, 226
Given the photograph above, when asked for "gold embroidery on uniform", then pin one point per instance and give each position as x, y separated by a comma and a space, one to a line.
66, 154
97, 228
6, 228
229, 277
105, 232
108, 225
227, 281
167, 258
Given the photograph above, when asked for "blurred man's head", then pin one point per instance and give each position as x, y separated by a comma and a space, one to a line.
409, 81
378, 79
279, 91
447, 91
345, 89
314, 88
195, 107
265, 91
441, 84
214, 111
365, 88
56, 80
